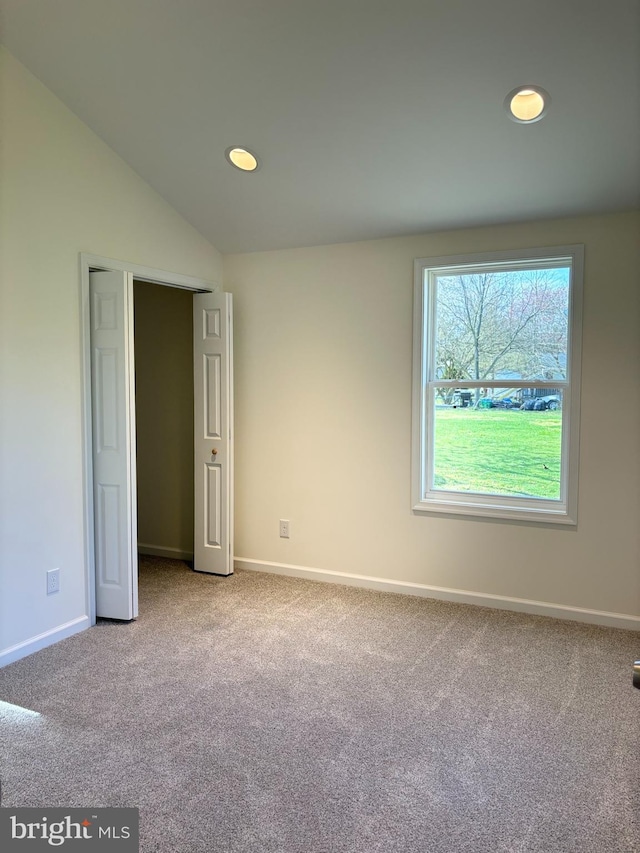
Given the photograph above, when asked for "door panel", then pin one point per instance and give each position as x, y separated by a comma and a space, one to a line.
114, 471
213, 448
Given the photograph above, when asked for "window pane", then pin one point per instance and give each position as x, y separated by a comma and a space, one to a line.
507, 444
502, 325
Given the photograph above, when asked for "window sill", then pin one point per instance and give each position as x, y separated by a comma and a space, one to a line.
489, 508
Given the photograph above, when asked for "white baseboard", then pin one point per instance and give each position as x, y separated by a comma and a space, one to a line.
160, 551
28, 647
500, 602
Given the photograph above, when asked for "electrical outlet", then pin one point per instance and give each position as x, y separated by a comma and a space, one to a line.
53, 581
284, 528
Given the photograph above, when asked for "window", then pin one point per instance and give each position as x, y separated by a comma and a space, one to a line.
496, 384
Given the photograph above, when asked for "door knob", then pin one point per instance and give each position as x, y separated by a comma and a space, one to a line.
214, 451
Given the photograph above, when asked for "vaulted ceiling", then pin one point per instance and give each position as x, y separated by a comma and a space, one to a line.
371, 118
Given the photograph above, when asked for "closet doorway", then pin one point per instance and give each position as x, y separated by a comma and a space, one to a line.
163, 348
110, 407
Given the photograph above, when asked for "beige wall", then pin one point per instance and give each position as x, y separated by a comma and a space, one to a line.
323, 421
63, 192
164, 415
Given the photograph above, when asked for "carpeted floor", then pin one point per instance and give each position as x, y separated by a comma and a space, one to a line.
264, 714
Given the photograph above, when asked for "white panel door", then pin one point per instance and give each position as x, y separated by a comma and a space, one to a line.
114, 469
213, 447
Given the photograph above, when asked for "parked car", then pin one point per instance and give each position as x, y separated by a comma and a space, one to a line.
551, 401
540, 404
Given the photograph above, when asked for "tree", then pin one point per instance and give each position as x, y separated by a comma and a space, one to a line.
511, 322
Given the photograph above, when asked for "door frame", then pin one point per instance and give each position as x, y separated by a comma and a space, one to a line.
94, 263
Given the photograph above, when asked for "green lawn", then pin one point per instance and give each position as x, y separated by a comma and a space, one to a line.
498, 451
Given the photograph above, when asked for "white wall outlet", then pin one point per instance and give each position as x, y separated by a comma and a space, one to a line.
284, 528
53, 581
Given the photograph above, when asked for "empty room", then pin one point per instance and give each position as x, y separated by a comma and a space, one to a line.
319, 418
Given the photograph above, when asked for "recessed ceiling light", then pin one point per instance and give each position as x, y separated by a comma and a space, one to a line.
527, 104
242, 159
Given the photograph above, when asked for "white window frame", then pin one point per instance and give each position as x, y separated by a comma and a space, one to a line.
428, 500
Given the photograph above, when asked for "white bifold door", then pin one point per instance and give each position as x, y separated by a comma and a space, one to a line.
213, 422
114, 442
113, 434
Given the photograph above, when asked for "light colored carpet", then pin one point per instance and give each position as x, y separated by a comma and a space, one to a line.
264, 714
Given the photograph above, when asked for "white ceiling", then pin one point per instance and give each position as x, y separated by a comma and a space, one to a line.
372, 118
